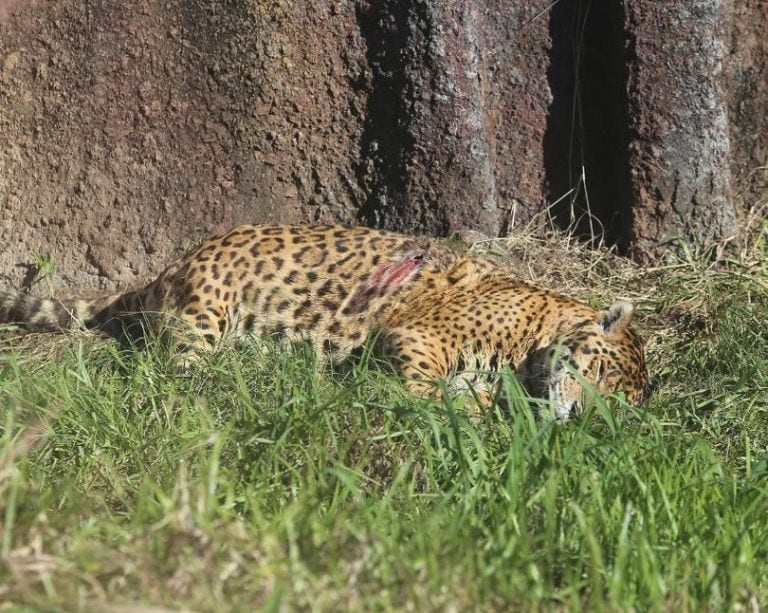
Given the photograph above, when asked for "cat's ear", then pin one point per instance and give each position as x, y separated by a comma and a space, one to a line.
616, 318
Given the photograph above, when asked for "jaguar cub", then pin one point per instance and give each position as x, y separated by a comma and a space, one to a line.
439, 314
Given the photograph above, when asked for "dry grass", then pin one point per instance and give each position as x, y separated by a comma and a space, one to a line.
48, 346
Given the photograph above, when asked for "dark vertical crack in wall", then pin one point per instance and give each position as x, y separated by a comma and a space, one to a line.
587, 138
386, 138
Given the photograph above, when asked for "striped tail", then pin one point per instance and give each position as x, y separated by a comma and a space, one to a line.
54, 315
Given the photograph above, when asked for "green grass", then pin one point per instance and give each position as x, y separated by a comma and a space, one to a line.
256, 481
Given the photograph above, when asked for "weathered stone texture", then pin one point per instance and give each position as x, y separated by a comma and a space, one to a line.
128, 129
747, 86
680, 153
458, 117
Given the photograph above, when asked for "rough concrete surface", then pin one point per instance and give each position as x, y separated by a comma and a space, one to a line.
127, 129
680, 157
130, 129
747, 91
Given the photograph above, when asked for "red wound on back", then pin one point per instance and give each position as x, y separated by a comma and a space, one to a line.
382, 280
390, 276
